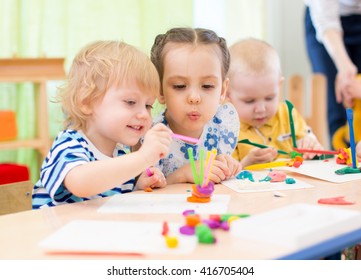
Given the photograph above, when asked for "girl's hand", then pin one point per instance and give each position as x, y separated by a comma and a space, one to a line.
259, 155
157, 180
309, 142
185, 173
233, 165
156, 144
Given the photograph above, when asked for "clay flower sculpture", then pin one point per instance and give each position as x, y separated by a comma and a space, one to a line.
202, 189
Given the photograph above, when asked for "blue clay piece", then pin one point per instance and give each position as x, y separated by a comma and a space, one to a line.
290, 181
245, 175
266, 179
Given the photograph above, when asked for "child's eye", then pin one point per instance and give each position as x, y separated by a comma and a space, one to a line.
130, 102
149, 107
208, 86
179, 86
249, 101
270, 98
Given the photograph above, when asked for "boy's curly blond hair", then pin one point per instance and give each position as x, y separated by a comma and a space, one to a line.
96, 68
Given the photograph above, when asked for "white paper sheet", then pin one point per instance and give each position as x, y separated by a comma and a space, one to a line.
92, 236
298, 225
163, 203
324, 170
244, 186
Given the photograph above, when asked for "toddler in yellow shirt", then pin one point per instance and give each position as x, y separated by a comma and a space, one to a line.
255, 84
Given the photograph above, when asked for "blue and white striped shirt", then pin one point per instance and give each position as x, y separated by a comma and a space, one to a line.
70, 149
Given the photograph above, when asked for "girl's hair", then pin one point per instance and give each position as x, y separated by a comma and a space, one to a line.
196, 36
96, 68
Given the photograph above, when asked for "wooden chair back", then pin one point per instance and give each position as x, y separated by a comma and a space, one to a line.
309, 97
15, 197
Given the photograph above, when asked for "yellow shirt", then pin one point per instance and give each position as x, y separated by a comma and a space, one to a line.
275, 133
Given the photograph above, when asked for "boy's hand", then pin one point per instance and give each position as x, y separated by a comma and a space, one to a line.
156, 144
157, 180
259, 155
309, 142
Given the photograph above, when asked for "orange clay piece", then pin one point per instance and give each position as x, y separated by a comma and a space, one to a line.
344, 156
199, 196
149, 189
299, 158
193, 220
198, 199
196, 193
295, 162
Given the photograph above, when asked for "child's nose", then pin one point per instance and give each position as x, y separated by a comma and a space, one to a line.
143, 114
194, 97
260, 107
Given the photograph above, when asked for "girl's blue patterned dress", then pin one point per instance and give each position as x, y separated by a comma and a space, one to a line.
220, 133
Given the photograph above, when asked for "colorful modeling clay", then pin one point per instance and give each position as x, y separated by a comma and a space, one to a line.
201, 194
165, 228
277, 176
205, 234
347, 170
339, 200
245, 175
171, 241
187, 230
290, 181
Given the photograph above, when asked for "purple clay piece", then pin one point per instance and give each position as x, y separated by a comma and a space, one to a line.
212, 223
188, 212
224, 225
187, 230
206, 190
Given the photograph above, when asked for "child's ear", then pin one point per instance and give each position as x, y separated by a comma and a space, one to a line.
225, 86
282, 79
281, 94
85, 108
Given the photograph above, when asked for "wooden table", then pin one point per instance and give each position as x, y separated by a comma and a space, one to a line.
21, 232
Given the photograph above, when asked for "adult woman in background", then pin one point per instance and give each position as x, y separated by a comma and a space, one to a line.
333, 39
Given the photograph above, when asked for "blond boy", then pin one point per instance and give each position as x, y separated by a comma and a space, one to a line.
255, 85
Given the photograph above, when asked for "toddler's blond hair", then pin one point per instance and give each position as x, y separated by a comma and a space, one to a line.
96, 68
253, 57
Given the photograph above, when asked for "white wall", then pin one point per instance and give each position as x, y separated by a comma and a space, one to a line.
286, 34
